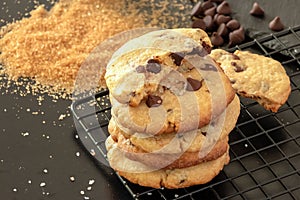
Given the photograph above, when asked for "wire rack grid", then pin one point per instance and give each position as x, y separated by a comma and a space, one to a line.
264, 146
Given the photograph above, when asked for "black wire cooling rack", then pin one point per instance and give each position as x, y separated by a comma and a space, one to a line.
264, 146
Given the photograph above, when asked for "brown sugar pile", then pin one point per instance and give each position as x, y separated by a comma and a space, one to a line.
50, 46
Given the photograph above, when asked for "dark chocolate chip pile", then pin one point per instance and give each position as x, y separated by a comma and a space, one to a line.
214, 17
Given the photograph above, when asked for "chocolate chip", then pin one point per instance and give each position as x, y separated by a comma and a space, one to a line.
153, 101
209, 67
197, 9
216, 39
211, 11
237, 36
237, 68
153, 66
276, 24
193, 84
204, 133
207, 5
224, 8
215, 17
208, 20
207, 47
153, 61
222, 19
177, 57
140, 69
201, 52
199, 23
133, 94
233, 25
222, 30
257, 10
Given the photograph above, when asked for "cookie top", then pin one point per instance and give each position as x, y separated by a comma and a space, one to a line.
144, 175
150, 93
255, 76
129, 85
192, 141
172, 40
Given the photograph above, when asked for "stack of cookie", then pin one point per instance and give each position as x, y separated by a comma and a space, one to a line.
172, 110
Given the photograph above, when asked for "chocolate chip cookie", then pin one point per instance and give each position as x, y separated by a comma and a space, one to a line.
144, 175
255, 76
191, 141
151, 94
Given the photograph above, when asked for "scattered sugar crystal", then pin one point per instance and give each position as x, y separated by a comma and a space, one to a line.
89, 188
72, 178
91, 182
15, 190
42, 184
82, 192
77, 154
45, 171
25, 134
61, 117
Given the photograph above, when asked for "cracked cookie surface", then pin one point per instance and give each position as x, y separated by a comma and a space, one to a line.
255, 76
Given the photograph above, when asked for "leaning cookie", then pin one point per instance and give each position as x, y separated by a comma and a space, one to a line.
255, 76
191, 141
143, 175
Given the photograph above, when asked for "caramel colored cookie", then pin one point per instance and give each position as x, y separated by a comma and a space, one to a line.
143, 175
255, 76
187, 96
191, 141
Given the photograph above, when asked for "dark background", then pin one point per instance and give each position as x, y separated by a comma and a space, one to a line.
40, 148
